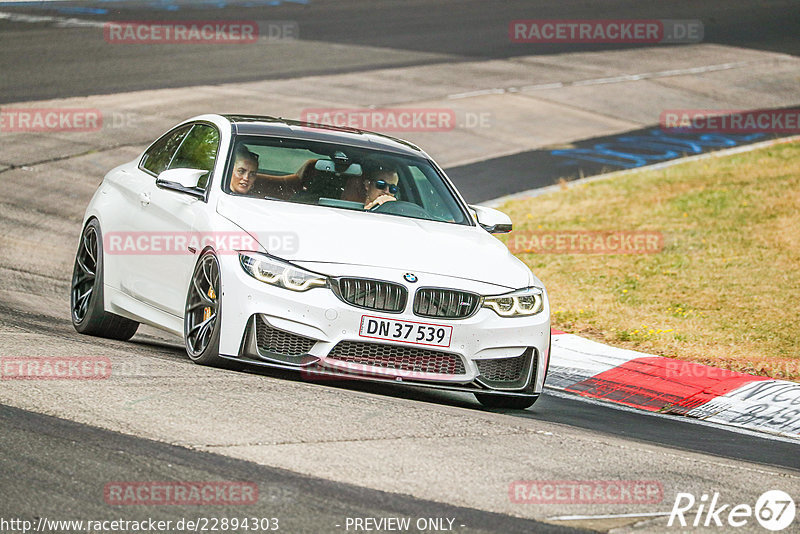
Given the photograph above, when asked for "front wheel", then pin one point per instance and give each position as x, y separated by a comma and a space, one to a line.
203, 318
503, 401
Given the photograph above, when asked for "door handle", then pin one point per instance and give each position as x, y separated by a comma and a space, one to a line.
144, 198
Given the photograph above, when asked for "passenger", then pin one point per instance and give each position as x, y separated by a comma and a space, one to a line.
245, 170
245, 174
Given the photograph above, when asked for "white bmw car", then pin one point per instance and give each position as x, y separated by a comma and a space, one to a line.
335, 252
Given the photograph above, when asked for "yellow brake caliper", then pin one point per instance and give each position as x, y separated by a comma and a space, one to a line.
207, 309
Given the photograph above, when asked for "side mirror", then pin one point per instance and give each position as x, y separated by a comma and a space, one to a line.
184, 177
183, 180
492, 220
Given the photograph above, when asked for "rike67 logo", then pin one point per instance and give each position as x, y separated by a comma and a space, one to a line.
774, 510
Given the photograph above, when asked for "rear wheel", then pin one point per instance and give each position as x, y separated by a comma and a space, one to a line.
202, 320
86, 291
502, 401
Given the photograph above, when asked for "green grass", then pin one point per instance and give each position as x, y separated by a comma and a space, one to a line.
725, 288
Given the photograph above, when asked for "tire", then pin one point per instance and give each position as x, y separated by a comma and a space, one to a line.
502, 401
86, 291
202, 319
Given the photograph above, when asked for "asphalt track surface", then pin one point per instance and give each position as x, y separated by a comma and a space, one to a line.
38, 61
51, 466
58, 469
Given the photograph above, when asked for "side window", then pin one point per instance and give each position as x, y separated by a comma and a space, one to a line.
198, 151
157, 158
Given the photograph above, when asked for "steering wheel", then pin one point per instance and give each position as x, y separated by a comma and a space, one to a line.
401, 207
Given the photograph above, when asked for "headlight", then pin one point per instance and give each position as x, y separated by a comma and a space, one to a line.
528, 301
279, 273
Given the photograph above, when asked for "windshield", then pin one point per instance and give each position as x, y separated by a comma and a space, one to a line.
340, 176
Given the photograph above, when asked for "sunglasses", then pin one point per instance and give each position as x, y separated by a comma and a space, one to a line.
383, 185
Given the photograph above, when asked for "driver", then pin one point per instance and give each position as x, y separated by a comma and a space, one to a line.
381, 187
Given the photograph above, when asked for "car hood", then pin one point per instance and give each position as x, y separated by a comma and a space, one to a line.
304, 233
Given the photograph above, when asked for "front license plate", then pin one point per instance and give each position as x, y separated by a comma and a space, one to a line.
436, 335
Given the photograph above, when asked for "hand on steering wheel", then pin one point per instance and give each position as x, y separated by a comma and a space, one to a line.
379, 201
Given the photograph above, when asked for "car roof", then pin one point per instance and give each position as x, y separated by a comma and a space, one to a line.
280, 127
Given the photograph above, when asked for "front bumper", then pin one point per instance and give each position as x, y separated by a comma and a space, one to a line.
316, 332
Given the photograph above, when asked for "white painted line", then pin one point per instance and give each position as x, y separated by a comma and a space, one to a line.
666, 73
606, 516
480, 92
616, 79
542, 86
